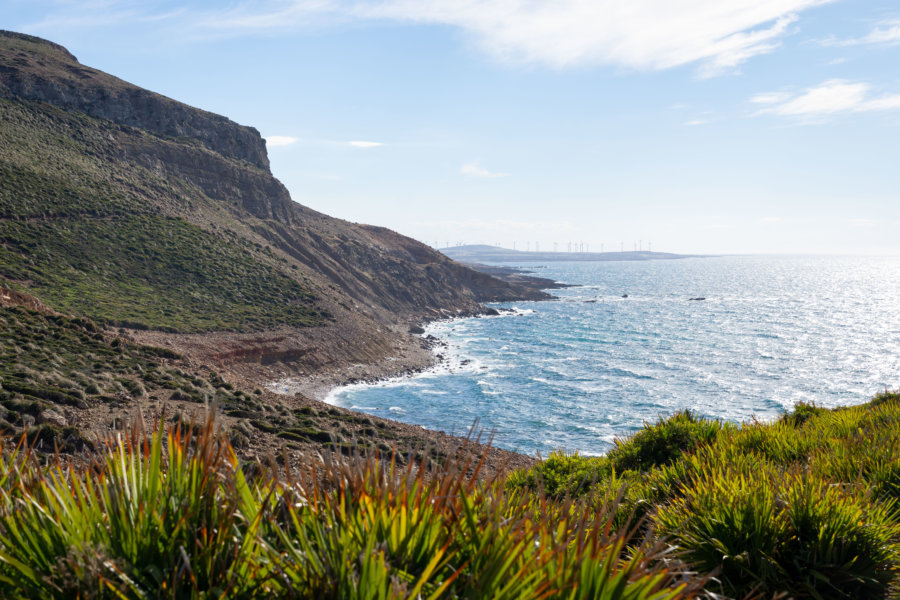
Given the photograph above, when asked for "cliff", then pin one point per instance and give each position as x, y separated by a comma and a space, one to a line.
138, 211
35, 69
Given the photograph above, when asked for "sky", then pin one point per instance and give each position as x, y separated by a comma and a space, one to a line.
692, 126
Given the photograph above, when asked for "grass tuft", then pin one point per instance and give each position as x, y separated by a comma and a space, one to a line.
171, 514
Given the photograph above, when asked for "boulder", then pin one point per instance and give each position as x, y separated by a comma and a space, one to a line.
52, 417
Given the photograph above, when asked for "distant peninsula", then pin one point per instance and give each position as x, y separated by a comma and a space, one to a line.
481, 253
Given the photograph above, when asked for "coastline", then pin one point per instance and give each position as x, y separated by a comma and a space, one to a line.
430, 357
441, 359
320, 386
310, 386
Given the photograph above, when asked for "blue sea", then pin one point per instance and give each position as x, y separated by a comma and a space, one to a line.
576, 372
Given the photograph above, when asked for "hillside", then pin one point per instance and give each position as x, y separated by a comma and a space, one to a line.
158, 223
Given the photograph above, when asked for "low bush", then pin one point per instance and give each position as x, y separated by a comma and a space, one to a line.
804, 507
663, 442
173, 515
562, 474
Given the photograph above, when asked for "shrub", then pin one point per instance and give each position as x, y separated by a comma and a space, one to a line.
801, 414
663, 442
562, 474
173, 515
782, 532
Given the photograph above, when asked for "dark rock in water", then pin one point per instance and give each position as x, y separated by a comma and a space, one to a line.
624, 295
491, 312
416, 329
590, 301
699, 298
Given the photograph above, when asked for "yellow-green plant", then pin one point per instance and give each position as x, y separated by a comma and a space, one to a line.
170, 514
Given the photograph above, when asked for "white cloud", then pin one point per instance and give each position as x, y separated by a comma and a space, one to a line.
269, 16
637, 34
695, 122
640, 34
275, 141
364, 144
770, 98
716, 35
886, 102
473, 170
886, 33
831, 97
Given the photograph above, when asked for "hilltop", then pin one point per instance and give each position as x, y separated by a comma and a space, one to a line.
130, 221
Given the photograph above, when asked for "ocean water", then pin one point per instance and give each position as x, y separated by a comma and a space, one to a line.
577, 372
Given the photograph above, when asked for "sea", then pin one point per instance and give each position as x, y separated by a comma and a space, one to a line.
734, 338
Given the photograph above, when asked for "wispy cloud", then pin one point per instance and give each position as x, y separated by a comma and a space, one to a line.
473, 170
364, 144
277, 141
885, 33
638, 34
770, 98
828, 98
273, 15
103, 13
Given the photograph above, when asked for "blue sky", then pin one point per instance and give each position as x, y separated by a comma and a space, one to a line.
707, 126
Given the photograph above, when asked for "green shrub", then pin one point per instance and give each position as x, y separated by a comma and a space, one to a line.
663, 442
562, 474
783, 533
801, 414
173, 515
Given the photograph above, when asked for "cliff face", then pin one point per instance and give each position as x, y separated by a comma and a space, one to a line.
127, 207
34, 69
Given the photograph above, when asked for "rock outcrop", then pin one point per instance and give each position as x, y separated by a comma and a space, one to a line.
35, 69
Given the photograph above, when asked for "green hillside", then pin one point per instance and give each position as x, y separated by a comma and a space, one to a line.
83, 230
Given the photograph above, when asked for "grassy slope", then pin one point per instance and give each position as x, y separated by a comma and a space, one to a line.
177, 518
801, 508
805, 506
59, 363
82, 230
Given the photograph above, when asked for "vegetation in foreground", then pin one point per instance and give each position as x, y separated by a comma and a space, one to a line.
804, 508
174, 515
